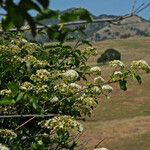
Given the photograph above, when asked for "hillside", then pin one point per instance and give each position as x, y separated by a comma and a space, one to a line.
131, 27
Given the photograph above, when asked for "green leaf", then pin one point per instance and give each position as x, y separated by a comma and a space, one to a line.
6, 23
44, 3
123, 84
58, 33
31, 23
47, 14
20, 96
14, 88
7, 101
137, 77
76, 15
34, 102
27, 5
13, 17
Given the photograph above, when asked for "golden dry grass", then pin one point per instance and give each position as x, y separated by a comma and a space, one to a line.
124, 120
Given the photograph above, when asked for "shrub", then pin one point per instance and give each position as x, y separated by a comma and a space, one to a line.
109, 55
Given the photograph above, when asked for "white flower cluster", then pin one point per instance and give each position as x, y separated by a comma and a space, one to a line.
117, 75
2, 147
5, 133
95, 90
24, 44
54, 99
89, 51
63, 123
70, 75
116, 63
62, 87
17, 58
34, 61
99, 80
30, 47
107, 88
14, 49
41, 88
96, 70
74, 86
5, 92
85, 104
41, 75
140, 64
27, 86
89, 101
67, 88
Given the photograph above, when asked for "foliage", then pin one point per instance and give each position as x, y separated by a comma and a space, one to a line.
109, 55
42, 80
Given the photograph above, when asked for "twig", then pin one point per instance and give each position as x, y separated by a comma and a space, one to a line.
144, 7
133, 6
138, 8
25, 123
27, 116
96, 146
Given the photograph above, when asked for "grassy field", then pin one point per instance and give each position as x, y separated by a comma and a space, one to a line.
124, 120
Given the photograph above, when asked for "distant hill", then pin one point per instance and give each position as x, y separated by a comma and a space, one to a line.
130, 27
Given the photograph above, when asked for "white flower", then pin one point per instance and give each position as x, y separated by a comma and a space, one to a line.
116, 63
64, 123
140, 64
96, 70
41, 75
5, 92
74, 86
54, 99
99, 80
27, 86
70, 75
24, 41
90, 51
42, 89
107, 88
62, 87
2, 147
96, 90
117, 75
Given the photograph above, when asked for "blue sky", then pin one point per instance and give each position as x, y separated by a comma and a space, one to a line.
97, 7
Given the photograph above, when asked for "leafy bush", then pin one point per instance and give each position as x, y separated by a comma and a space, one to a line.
45, 89
109, 55
38, 80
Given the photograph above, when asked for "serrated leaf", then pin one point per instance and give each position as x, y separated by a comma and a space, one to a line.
123, 84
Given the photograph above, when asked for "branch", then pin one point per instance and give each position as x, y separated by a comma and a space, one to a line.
27, 116
40, 27
25, 123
